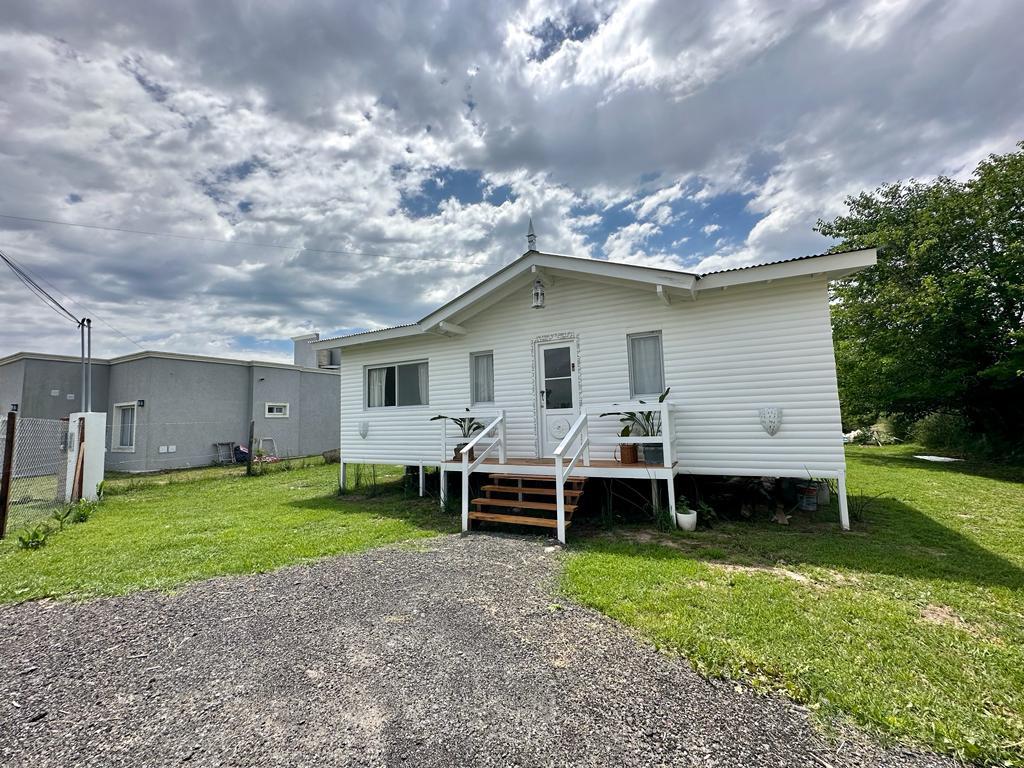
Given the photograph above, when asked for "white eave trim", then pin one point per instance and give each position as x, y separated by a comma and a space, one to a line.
832, 266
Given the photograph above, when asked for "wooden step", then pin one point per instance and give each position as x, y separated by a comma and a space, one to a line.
527, 490
545, 506
537, 478
497, 517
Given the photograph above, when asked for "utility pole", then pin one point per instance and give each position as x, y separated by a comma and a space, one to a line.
81, 395
88, 328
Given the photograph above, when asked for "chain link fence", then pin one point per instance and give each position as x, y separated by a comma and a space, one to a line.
38, 470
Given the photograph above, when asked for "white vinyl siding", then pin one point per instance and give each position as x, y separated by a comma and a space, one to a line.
725, 355
122, 436
646, 364
402, 384
481, 377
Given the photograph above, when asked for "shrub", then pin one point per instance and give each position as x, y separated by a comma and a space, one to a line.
941, 430
82, 511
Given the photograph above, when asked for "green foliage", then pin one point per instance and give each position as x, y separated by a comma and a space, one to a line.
941, 431
938, 324
640, 423
62, 515
467, 425
912, 625
34, 537
82, 511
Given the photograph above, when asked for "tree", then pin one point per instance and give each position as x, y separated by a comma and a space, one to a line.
938, 323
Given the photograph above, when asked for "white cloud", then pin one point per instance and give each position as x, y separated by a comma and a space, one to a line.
306, 127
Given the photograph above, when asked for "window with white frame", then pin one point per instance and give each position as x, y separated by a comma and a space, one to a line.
122, 436
646, 365
276, 410
401, 384
481, 377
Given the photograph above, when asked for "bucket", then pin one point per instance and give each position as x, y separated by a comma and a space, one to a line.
809, 498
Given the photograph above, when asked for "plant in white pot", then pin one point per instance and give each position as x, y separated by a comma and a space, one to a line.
686, 518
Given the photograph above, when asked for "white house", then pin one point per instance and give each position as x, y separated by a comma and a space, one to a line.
538, 350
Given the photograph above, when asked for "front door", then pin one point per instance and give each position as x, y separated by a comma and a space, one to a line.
557, 391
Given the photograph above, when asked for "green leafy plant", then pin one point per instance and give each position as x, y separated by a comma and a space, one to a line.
640, 423
467, 425
62, 515
35, 537
706, 514
82, 511
99, 489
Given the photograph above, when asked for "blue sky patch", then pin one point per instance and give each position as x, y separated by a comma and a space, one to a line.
553, 32
73, 198
466, 186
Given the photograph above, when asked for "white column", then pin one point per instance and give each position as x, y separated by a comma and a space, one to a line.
341, 475
559, 500
422, 480
93, 453
442, 490
844, 511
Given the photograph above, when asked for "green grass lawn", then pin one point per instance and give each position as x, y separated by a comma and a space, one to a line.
158, 532
911, 625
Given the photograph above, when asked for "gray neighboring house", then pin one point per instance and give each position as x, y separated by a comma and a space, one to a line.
168, 411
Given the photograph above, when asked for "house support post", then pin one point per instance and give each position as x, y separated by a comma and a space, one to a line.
672, 501
422, 480
342, 476
844, 510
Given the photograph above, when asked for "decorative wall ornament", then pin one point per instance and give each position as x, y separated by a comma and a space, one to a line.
364, 429
771, 419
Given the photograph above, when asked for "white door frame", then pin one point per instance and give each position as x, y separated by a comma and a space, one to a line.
569, 341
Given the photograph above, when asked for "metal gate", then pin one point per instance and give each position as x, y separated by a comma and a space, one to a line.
35, 487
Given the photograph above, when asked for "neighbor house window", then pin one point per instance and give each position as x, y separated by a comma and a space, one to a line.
277, 410
481, 377
646, 367
401, 384
123, 432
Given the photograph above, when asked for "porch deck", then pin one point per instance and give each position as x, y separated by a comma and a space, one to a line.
524, 465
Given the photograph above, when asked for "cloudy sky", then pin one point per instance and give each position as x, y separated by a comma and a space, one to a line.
341, 166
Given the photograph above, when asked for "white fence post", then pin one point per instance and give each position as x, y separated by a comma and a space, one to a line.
93, 453
502, 450
560, 499
666, 435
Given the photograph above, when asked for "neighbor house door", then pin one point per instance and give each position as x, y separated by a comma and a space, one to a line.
557, 391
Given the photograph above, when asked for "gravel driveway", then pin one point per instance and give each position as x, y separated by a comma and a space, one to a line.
457, 652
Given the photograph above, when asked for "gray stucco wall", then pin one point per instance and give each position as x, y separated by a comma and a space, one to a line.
11, 377
320, 395
189, 405
44, 377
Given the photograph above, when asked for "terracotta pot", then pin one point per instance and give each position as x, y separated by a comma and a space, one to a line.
628, 454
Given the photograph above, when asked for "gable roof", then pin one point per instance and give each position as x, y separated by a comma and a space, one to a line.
667, 282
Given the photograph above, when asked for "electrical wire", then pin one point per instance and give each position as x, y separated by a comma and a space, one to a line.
28, 272
37, 289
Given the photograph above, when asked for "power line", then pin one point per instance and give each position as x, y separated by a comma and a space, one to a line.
31, 274
37, 289
249, 243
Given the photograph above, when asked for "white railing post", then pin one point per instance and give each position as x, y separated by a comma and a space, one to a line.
465, 491
444, 439
559, 499
585, 436
501, 437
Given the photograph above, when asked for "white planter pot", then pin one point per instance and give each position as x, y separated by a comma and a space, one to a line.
687, 520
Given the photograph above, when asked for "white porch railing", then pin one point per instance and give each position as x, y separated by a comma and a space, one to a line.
562, 470
497, 444
666, 439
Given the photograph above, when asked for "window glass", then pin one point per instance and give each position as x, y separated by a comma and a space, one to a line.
556, 362
646, 367
482, 377
412, 384
126, 436
558, 393
557, 378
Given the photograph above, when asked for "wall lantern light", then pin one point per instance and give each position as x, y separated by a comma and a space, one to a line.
538, 294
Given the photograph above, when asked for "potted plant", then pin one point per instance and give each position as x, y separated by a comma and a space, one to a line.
468, 426
642, 424
627, 453
686, 518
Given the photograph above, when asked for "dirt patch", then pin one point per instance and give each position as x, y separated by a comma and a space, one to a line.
945, 616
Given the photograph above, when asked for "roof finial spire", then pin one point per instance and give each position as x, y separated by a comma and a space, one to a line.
531, 238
